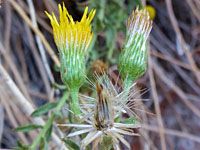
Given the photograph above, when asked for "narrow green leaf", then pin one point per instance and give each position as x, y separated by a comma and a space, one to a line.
44, 109
58, 86
21, 146
48, 133
27, 128
129, 120
118, 118
71, 144
43, 144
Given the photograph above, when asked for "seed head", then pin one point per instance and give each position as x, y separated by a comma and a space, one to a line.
100, 114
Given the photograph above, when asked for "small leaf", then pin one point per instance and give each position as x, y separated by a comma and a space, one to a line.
43, 144
60, 87
71, 144
129, 120
21, 146
118, 118
48, 133
44, 109
27, 128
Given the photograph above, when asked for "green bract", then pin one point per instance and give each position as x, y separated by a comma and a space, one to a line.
132, 62
72, 69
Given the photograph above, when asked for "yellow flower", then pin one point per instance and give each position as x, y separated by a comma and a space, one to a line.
72, 39
151, 10
70, 34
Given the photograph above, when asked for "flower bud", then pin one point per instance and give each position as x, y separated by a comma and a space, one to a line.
133, 57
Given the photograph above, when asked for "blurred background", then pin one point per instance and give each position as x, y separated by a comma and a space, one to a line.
29, 67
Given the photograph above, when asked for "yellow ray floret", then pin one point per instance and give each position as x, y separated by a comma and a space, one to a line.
70, 34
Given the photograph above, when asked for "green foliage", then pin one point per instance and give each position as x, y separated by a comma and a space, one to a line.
109, 19
117, 119
60, 87
48, 133
44, 109
107, 143
47, 129
129, 120
43, 144
20, 146
27, 128
71, 144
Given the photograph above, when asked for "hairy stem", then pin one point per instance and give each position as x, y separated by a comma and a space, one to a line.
74, 104
127, 83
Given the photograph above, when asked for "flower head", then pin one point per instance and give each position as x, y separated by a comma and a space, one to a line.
134, 54
100, 115
72, 39
120, 100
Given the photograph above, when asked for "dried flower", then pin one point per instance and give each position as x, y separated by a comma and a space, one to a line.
133, 57
100, 114
72, 40
99, 67
120, 100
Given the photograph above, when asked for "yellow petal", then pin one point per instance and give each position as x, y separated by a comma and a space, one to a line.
70, 34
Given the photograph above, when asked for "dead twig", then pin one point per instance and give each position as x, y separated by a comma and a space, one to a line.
38, 32
156, 102
39, 42
176, 89
172, 132
181, 40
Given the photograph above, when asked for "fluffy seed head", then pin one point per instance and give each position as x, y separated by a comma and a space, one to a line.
104, 110
100, 115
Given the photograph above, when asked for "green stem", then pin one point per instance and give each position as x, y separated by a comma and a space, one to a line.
126, 85
49, 122
74, 104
